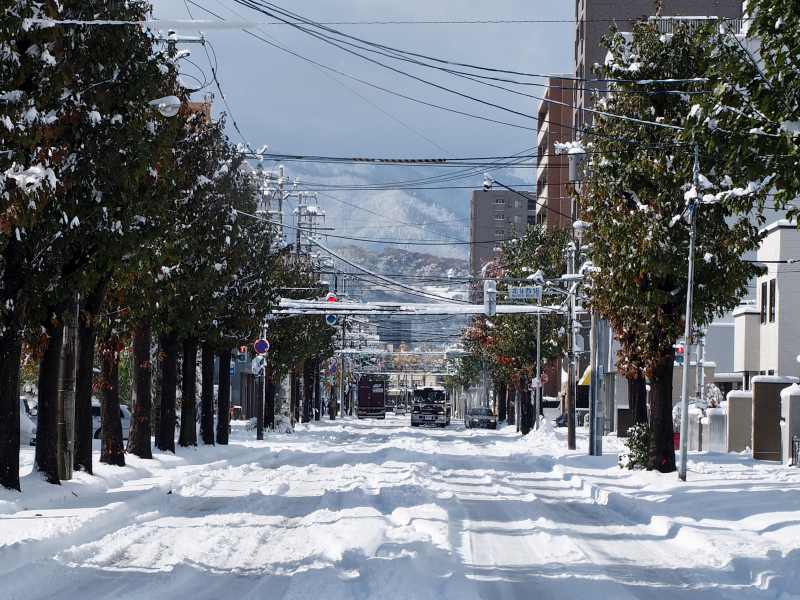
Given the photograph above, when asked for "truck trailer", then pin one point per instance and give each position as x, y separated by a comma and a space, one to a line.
371, 397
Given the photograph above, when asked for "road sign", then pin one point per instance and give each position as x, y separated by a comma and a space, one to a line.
531, 292
330, 320
261, 346
331, 297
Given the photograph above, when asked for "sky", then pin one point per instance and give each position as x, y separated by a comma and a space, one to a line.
294, 107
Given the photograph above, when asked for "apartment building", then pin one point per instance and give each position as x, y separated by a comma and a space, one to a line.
495, 216
555, 116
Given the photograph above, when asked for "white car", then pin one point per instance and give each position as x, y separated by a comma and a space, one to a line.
124, 415
27, 426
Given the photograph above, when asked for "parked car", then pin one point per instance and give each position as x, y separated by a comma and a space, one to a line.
27, 426
478, 418
124, 415
400, 409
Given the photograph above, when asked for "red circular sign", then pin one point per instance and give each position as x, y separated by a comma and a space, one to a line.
331, 297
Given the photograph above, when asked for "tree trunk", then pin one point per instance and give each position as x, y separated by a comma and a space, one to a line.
168, 345
156, 383
188, 435
510, 412
332, 402
502, 413
10, 356
662, 448
294, 400
112, 449
269, 405
84, 379
224, 397
637, 399
139, 435
308, 389
47, 422
84, 424
317, 391
207, 396
525, 408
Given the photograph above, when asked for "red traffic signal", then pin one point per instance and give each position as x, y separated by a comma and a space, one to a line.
331, 297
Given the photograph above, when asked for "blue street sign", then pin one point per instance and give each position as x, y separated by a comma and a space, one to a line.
330, 320
261, 346
525, 293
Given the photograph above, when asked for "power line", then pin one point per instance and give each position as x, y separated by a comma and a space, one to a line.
214, 66
364, 82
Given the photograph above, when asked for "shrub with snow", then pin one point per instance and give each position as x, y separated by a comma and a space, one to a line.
637, 444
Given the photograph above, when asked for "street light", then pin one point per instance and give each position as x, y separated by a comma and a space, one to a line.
168, 106
580, 228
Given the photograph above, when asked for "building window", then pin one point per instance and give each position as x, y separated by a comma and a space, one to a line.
516, 203
531, 219
500, 201
531, 204
772, 301
763, 302
499, 217
499, 233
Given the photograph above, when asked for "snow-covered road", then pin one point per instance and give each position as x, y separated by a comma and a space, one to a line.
379, 510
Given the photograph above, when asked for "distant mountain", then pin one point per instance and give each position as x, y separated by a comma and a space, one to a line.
394, 261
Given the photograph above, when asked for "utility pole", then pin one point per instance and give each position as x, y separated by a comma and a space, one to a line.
595, 424
538, 390
341, 372
66, 393
570, 403
700, 357
692, 214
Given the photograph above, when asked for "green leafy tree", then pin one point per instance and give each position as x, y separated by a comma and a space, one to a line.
634, 196
750, 123
32, 112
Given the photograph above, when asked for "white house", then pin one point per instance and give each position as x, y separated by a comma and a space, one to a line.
767, 332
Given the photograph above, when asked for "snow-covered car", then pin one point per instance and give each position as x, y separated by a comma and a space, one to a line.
480, 418
27, 426
97, 425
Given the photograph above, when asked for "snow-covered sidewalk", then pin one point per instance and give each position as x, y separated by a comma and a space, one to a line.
379, 510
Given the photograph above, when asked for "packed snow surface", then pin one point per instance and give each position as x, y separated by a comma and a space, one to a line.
375, 509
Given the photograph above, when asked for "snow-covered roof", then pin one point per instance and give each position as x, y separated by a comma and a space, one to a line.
745, 309
779, 224
774, 379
